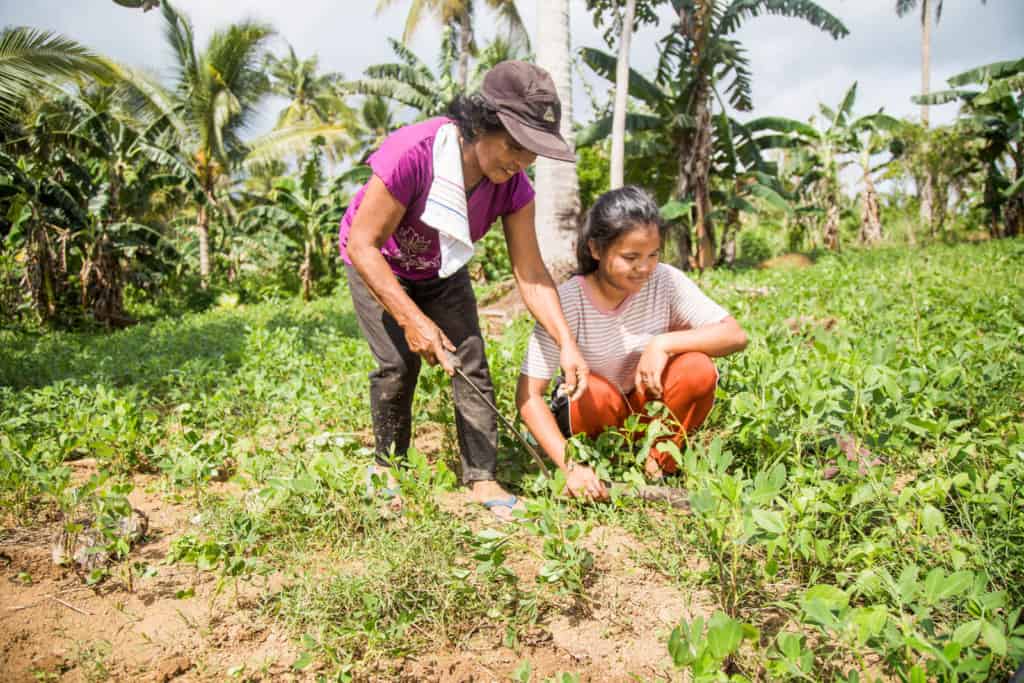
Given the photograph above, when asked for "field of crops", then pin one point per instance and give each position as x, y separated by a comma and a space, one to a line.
855, 499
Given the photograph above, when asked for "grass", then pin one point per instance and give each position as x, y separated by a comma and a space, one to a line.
911, 570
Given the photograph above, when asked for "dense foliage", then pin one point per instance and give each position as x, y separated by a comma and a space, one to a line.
909, 568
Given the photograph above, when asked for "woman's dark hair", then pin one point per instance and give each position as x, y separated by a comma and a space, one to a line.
615, 213
473, 116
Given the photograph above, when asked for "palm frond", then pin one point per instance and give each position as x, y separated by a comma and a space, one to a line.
602, 128
401, 72
811, 12
1003, 87
944, 97
983, 74
604, 65
179, 34
30, 58
279, 144
399, 92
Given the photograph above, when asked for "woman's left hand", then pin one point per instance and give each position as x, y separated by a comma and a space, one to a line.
575, 369
650, 369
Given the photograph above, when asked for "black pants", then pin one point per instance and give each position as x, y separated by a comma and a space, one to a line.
451, 304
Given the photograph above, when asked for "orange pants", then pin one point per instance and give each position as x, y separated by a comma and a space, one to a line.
688, 391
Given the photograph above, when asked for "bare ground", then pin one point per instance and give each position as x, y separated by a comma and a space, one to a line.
54, 627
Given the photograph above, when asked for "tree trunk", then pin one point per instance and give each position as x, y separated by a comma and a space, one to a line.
621, 98
695, 149
870, 221
925, 192
831, 232
465, 40
557, 185
926, 50
203, 231
306, 272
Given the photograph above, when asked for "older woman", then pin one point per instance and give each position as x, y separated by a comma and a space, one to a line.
437, 187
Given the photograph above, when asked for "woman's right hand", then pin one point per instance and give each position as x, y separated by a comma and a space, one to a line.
425, 338
582, 482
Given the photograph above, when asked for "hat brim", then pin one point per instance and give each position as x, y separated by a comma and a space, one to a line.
541, 142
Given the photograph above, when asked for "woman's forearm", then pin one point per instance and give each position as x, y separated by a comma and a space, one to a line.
381, 281
719, 339
541, 299
538, 419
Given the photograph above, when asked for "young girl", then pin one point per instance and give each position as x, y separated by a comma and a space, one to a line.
645, 331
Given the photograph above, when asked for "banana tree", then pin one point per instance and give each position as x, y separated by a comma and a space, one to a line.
306, 211
824, 151
992, 112
697, 58
409, 81
742, 182
111, 192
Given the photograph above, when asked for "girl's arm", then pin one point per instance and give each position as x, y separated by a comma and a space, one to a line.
716, 340
540, 296
581, 481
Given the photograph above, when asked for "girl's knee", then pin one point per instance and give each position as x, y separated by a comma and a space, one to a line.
695, 371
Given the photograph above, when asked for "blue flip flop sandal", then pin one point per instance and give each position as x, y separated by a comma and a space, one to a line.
509, 503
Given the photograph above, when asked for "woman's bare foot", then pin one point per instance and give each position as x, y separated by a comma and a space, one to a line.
492, 496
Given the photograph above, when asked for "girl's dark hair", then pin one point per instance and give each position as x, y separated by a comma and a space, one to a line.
615, 213
473, 116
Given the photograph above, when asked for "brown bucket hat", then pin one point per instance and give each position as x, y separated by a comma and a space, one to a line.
527, 103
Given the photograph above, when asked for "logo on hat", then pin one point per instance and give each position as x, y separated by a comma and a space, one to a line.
549, 115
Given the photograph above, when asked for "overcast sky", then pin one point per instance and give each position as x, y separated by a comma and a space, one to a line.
794, 65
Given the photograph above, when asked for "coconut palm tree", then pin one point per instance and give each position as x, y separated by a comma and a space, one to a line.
904, 7
625, 18
32, 60
214, 98
458, 15
558, 201
311, 96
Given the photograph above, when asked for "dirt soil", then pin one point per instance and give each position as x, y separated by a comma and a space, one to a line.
54, 627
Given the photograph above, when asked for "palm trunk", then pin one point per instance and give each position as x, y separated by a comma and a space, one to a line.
203, 231
695, 150
925, 192
621, 98
465, 41
557, 185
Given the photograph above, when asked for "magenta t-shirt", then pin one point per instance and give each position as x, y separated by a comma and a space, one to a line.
404, 163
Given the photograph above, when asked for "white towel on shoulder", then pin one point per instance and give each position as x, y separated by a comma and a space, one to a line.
446, 209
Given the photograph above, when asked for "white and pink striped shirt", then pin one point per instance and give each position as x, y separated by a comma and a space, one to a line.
612, 341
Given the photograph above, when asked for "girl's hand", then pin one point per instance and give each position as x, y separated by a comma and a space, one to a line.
575, 369
582, 482
650, 368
